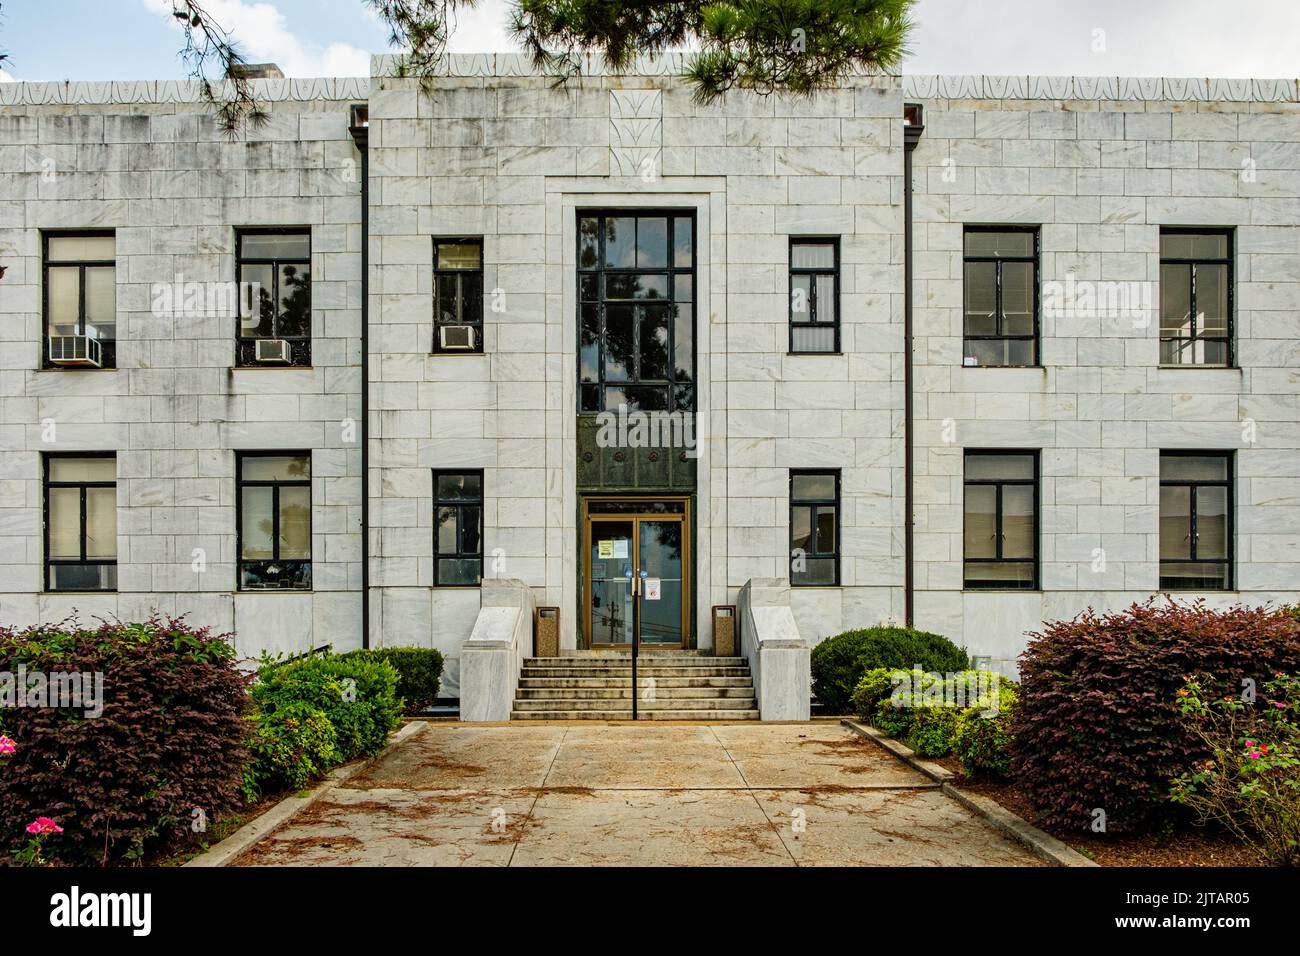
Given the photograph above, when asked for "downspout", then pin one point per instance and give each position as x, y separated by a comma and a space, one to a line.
913, 127
360, 130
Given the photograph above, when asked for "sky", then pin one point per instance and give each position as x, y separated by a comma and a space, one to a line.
138, 39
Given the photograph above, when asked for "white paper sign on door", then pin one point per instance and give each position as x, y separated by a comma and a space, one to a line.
652, 589
620, 549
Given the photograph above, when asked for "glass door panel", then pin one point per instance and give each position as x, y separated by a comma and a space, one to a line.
611, 569
661, 581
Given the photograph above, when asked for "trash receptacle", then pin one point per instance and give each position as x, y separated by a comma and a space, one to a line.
724, 631
546, 632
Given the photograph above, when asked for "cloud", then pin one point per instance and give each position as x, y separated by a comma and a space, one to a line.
7, 77
262, 35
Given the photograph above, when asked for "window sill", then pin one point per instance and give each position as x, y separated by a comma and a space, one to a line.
1003, 368
77, 368
1209, 368
816, 587
815, 353
967, 590
457, 352
270, 368
274, 591
80, 591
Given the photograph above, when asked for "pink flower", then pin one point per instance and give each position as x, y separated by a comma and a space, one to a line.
1277, 703
1253, 755
7, 746
43, 825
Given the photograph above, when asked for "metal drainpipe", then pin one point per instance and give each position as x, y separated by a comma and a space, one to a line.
360, 130
913, 127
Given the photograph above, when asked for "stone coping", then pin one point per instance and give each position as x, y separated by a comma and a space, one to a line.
917, 86
117, 92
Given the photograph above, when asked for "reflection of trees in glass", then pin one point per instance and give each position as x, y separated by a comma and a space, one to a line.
588, 243
295, 294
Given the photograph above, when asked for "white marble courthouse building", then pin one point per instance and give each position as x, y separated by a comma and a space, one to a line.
396, 368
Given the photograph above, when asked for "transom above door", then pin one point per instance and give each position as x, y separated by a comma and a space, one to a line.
636, 573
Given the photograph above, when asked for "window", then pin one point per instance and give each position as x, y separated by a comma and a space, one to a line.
458, 285
1000, 296
1196, 520
274, 521
814, 528
80, 299
1001, 521
80, 522
274, 297
814, 295
457, 528
636, 318
1195, 297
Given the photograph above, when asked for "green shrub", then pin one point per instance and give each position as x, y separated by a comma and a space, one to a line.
1250, 779
875, 686
419, 673
357, 694
932, 731
982, 742
839, 662
291, 746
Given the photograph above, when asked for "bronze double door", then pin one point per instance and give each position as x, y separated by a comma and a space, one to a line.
636, 572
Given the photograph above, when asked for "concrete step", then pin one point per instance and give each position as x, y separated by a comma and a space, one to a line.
614, 703
625, 673
624, 681
656, 660
626, 693
697, 715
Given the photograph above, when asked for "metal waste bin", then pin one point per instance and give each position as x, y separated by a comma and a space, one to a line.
724, 631
546, 632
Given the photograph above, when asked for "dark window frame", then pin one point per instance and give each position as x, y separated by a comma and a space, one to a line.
108, 347
816, 504
47, 484
459, 274
303, 564
1228, 483
299, 345
1036, 484
814, 271
459, 504
1229, 261
1035, 259
673, 271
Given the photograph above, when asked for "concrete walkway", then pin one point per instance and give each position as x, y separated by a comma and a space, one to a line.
617, 795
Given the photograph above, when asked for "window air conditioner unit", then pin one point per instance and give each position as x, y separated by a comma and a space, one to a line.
74, 350
273, 351
456, 338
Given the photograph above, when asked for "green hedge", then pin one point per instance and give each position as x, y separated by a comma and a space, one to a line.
925, 711
419, 673
314, 713
839, 662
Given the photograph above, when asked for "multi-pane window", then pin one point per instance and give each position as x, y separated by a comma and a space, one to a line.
457, 528
636, 314
814, 295
274, 520
80, 299
458, 295
1000, 296
814, 528
1000, 528
1195, 297
274, 268
1196, 520
80, 522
